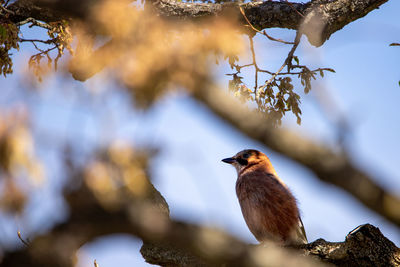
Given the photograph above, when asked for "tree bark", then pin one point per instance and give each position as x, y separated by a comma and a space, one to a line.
317, 19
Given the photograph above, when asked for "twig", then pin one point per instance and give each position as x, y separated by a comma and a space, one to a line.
262, 32
280, 73
34, 23
288, 60
243, 66
22, 240
6, 10
95, 264
275, 39
41, 52
267, 71
294, 73
49, 41
37, 48
253, 55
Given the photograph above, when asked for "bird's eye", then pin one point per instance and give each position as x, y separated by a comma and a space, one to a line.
246, 155
242, 161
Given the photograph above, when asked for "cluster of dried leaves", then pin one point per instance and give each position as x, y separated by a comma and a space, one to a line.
60, 40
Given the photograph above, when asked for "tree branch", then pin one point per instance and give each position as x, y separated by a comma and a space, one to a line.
364, 246
321, 18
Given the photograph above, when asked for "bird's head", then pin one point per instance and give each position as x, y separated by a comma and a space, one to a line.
250, 157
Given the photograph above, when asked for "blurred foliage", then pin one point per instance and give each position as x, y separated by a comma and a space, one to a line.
118, 174
151, 56
18, 164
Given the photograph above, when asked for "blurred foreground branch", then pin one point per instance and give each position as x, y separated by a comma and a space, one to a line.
166, 242
330, 165
172, 243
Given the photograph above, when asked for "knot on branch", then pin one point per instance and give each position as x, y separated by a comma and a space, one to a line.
364, 246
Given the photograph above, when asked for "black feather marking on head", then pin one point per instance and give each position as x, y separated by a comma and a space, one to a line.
242, 161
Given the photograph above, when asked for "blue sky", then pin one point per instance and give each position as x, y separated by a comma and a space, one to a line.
188, 171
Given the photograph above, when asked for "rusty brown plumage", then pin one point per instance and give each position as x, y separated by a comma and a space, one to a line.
269, 208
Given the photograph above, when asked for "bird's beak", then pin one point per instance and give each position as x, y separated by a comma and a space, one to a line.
229, 160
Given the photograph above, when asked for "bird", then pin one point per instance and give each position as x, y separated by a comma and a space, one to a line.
269, 208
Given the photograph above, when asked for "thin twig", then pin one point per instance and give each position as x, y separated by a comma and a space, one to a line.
288, 60
42, 51
275, 39
294, 73
266, 71
22, 240
49, 41
243, 66
282, 73
37, 48
7, 10
262, 32
34, 23
253, 55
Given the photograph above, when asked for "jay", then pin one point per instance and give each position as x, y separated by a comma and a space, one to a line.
269, 208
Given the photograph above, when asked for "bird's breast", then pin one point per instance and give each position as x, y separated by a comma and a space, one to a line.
268, 207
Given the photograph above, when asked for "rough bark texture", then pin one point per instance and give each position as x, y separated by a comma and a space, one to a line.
364, 246
49, 11
318, 19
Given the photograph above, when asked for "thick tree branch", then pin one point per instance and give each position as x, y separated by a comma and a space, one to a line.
24, 9
364, 246
330, 165
321, 18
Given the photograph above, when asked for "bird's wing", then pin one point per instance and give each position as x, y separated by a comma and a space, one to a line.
301, 233
268, 207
